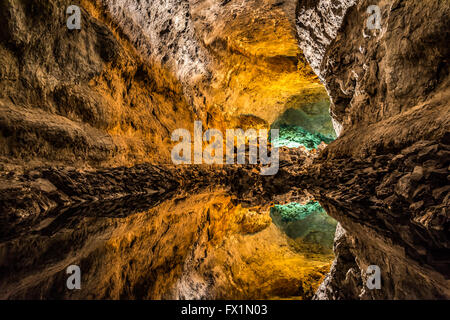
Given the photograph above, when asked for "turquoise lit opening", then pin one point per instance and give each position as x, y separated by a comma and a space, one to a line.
294, 136
306, 125
307, 224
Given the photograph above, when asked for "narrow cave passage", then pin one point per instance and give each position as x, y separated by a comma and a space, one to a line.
305, 126
309, 225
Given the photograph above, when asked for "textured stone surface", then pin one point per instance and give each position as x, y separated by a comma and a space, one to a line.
81, 96
396, 222
317, 26
343, 282
163, 32
258, 66
389, 92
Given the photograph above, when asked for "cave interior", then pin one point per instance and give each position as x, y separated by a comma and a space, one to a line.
87, 176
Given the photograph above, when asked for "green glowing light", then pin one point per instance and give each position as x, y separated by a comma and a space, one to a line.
295, 211
294, 136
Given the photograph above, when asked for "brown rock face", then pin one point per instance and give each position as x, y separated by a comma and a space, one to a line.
81, 96
386, 177
86, 118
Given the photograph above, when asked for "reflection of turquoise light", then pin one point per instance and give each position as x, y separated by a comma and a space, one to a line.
307, 224
293, 137
295, 211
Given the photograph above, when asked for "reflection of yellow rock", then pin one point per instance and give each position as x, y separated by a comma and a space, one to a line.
263, 266
253, 222
248, 257
196, 246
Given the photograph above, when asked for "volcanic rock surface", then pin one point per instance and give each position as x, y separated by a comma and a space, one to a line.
386, 178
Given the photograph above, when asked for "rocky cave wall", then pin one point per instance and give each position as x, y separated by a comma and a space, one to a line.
390, 91
81, 96
239, 62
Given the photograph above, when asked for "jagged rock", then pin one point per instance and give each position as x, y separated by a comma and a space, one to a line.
390, 100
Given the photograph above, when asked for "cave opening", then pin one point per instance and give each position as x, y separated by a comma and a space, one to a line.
305, 222
306, 125
311, 228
